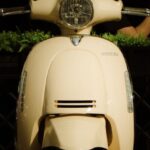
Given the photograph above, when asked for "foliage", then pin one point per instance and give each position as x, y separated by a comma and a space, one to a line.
128, 41
16, 41
12, 41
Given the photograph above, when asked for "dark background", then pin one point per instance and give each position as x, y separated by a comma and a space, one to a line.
138, 60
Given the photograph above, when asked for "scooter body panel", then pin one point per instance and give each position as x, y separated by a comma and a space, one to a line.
95, 66
104, 10
75, 84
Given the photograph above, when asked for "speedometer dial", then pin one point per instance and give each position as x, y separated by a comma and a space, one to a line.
76, 13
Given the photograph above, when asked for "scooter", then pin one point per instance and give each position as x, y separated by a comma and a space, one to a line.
75, 91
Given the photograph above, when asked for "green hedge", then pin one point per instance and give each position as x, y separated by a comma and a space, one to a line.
11, 41
124, 40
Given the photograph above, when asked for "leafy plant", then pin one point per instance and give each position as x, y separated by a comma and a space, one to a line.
124, 40
9, 41
12, 41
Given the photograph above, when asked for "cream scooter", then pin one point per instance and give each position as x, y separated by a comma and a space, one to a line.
75, 92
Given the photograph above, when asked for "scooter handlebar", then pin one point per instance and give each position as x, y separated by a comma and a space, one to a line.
126, 11
13, 11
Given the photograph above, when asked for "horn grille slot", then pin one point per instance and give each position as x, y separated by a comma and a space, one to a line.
75, 103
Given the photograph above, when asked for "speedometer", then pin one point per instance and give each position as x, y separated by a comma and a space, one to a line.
76, 13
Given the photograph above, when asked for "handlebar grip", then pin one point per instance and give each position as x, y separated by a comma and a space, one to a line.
136, 11
13, 11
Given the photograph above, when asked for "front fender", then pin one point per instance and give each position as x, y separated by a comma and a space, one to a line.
75, 132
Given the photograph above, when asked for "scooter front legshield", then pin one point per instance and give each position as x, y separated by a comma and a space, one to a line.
75, 132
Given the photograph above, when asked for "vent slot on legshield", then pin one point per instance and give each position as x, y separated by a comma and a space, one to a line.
75, 103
